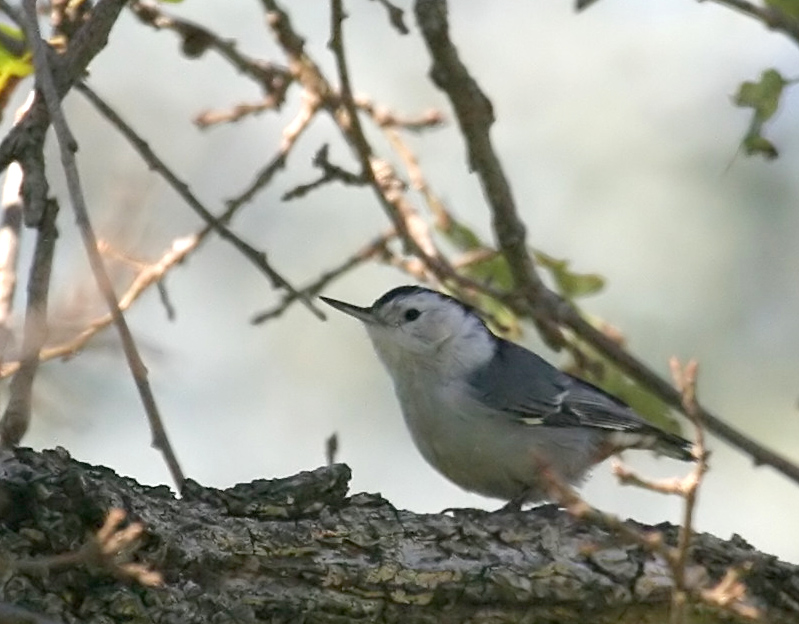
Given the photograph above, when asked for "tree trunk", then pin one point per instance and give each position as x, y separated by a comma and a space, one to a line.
301, 550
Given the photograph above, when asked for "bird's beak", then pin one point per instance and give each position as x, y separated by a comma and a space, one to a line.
362, 314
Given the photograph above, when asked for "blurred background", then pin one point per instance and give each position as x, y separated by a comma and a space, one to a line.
617, 131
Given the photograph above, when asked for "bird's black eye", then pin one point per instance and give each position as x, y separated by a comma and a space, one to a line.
412, 314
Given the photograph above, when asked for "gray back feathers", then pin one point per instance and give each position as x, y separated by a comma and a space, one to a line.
526, 387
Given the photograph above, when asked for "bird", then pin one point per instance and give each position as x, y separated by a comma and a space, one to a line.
488, 414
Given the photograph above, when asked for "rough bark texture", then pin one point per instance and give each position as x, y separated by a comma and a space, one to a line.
302, 550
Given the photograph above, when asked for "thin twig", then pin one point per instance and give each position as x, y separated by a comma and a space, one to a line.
369, 251
291, 133
672, 486
685, 380
149, 275
17, 416
475, 116
257, 258
331, 449
395, 17
330, 173
385, 118
68, 146
208, 118
110, 548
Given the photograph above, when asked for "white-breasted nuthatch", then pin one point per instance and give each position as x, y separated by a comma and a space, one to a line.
489, 414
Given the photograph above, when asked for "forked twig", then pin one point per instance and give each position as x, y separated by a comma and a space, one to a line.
110, 548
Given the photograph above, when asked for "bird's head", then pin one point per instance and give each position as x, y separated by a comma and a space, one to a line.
411, 326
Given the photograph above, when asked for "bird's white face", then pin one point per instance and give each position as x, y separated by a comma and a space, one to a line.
421, 329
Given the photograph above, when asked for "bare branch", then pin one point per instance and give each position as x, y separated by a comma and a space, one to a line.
47, 87
395, 17
17, 415
291, 133
382, 179
476, 116
374, 248
330, 173
274, 79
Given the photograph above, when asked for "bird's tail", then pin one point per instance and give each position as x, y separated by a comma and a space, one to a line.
656, 440
672, 445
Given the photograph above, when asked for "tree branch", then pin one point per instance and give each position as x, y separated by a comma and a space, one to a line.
47, 86
17, 415
304, 549
475, 116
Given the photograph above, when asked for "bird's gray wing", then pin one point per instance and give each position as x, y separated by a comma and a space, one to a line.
525, 386
518, 384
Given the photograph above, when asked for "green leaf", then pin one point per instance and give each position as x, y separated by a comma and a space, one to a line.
757, 144
763, 96
493, 270
13, 66
461, 236
570, 284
